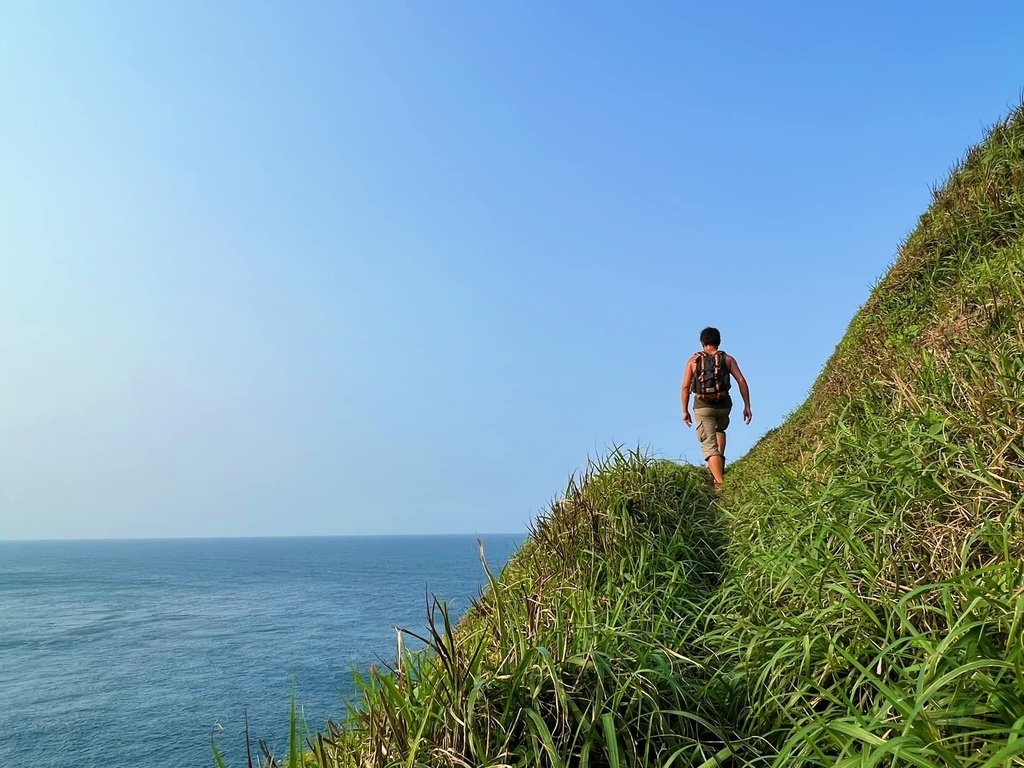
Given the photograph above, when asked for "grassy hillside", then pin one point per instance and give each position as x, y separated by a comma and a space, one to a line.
876, 590
855, 597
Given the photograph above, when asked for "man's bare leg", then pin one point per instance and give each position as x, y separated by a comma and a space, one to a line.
717, 465
721, 447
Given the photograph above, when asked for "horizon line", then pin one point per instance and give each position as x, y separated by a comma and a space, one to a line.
261, 537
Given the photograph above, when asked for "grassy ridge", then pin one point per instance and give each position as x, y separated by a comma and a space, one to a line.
586, 651
855, 597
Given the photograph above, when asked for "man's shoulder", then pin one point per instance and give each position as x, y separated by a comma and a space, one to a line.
731, 361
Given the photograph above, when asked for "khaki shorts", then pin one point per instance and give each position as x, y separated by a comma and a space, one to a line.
711, 421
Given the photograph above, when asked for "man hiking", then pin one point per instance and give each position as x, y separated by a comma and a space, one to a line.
707, 377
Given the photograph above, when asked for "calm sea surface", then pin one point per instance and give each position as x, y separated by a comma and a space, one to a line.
119, 654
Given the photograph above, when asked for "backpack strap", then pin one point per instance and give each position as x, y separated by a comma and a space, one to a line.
700, 372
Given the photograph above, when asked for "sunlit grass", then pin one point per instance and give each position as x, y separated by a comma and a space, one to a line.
578, 654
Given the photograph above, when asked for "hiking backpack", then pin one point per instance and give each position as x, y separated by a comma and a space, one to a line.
711, 379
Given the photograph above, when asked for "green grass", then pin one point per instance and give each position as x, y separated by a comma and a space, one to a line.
854, 598
579, 653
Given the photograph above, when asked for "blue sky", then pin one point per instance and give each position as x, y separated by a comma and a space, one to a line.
300, 269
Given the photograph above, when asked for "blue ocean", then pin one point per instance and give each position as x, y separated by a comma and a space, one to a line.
121, 654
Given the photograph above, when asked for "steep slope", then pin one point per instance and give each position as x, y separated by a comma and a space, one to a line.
877, 583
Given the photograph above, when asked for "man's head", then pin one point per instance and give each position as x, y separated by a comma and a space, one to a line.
710, 337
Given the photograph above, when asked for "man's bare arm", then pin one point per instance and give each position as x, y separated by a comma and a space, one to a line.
684, 392
734, 369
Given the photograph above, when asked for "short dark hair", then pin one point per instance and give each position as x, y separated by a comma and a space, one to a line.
710, 337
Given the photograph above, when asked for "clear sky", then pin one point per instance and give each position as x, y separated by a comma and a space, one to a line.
346, 268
